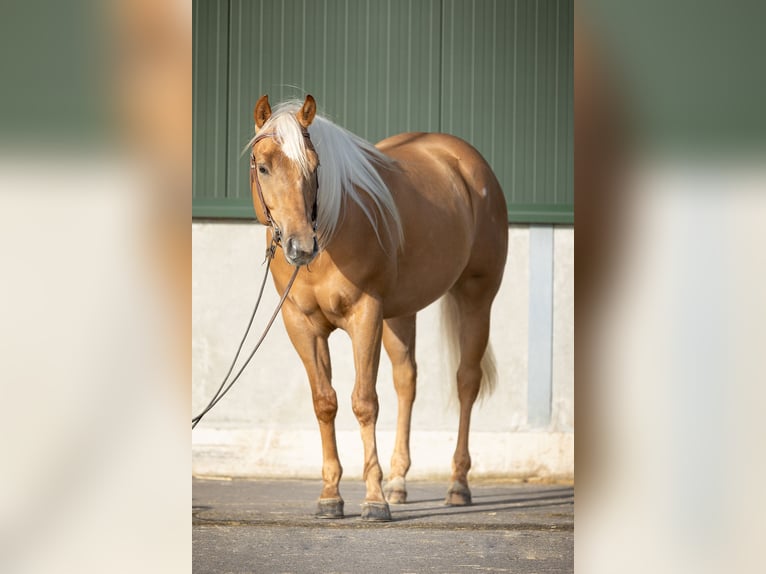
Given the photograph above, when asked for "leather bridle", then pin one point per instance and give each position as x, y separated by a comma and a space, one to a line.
277, 234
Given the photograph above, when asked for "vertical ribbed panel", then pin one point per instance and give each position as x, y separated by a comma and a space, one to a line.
372, 65
496, 72
210, 95
507, 88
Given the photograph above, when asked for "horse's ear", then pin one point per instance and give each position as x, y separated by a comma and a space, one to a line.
308, 111
262, 111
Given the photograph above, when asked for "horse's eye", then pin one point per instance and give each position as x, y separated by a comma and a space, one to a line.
262, 170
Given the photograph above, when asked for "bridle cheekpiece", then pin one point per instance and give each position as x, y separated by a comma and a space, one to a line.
277, 234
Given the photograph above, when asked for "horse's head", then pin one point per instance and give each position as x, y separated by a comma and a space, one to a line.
284, 180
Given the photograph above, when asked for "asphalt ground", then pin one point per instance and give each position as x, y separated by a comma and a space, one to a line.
269, 526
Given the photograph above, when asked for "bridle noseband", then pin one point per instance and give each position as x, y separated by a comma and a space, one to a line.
277, 234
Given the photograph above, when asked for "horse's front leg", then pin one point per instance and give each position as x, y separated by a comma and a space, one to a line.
365, 326
310, 340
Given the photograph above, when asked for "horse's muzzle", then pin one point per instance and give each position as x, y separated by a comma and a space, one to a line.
299, 253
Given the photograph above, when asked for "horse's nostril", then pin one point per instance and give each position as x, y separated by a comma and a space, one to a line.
294, 249
290, 247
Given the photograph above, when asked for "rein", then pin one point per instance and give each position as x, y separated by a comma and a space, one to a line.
219, 394
270, 252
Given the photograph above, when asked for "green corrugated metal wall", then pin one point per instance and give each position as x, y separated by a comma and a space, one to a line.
496, 72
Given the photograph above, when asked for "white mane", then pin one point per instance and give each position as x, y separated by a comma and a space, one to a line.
346, 167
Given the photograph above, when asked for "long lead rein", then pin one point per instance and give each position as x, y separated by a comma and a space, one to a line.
269, 256
219, 394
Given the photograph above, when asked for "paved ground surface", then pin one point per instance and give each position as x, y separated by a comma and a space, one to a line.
268, 526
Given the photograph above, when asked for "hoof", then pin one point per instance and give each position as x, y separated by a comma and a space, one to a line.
376, 512
395, 491
458, 495
330, 508
396, 496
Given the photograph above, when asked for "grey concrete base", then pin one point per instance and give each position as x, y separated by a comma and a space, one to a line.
269, 526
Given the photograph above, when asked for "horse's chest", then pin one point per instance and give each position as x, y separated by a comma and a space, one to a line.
327, 305
336, 307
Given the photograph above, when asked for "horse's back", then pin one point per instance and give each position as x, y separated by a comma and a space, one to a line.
453, 213
448, 165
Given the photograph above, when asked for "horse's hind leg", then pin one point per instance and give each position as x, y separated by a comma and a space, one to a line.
399, 342
473, 310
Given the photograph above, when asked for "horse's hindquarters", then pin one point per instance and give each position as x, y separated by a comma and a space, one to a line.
454, 218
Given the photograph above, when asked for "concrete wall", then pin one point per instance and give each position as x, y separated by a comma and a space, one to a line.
266, 427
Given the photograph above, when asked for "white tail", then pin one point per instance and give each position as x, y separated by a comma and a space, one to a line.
451, 329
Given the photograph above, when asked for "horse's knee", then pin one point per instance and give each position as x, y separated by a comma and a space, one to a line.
326, 407
365, 407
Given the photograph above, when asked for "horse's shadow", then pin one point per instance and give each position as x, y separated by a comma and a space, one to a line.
197, 508
434, 507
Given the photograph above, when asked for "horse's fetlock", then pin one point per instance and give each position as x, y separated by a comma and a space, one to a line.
400, 464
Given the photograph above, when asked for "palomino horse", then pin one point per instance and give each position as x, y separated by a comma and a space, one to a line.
387, 230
